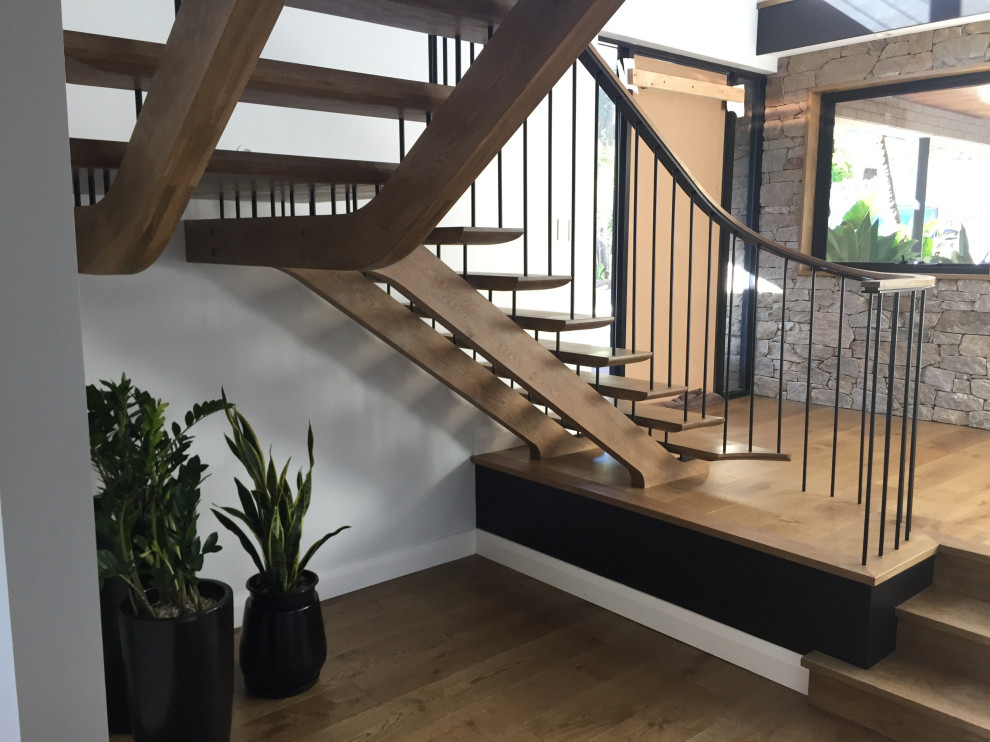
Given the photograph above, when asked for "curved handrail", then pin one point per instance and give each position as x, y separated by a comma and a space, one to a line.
872, 281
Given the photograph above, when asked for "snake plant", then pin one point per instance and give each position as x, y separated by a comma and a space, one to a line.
270, 512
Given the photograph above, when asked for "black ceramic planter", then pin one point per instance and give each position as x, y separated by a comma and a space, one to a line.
180, 671
114, 592
283, 645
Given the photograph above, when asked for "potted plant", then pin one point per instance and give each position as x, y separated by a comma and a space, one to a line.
176, 630
283, 642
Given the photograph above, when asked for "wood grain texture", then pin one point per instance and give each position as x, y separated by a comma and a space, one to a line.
449, 18
532, 48
948, 631
514, 281
672, 84
211, 51
230, 171
359, 298
437, 289
110, 62
471, 651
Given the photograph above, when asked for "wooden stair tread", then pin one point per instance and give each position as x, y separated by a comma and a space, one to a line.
229, 171
473, 236
946, 697
469, 20
733, 452
111, 62
963, 570
634, 390
669, 419
595, 356
514, 281
959, 614
544, 321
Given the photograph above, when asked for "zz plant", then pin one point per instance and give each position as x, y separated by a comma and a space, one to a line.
148, 497
270, 512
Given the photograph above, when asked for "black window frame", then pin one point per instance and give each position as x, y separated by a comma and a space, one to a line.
823, 165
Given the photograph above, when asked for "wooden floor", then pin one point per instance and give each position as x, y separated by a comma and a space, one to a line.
760, 503
474, 651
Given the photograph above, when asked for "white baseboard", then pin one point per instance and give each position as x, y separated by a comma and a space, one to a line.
756, 655
337, 580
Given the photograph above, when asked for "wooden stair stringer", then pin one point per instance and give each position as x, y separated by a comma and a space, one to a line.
530, 51
207, 61
359, 298
457, 306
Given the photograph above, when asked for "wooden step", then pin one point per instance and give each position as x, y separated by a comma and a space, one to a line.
903, 700
963, 570
668, 419
579, 354
469, 20
236, 171
514, 281
110, 62
733, 451
533, 319
473, 236
946, 630
618, 387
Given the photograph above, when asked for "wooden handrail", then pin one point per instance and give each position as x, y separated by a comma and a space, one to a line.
871, 281
529, 52
205, 65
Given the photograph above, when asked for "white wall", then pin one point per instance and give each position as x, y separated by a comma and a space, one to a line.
48, 555
717, 30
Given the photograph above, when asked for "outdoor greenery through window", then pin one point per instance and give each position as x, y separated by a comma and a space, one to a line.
904, 185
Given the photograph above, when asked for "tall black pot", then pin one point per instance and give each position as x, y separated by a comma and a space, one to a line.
114, 592
180, 671
283, 644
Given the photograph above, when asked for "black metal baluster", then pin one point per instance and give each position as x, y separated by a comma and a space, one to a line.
708, 318
873, 420
670, 304
457, 59
333, 200
138, 101
807, 383
525, 197
635, 241
891, 362
222, 215
91, 185
572, 230
780, 372
594, 213
752, 343
550, 182
690, 279
237, 204
76, 187
914, 426
904, 421
728, 346
106, 181
838, 378
254, 204
402, 138
653, 270
292, 200
271, 200
312, 200
866, 380
446, 63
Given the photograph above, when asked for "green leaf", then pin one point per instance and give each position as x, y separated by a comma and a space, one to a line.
231, 526
313, 549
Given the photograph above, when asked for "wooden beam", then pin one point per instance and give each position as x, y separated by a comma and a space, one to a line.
204, 67
109, 62
361, 300
427, 281
533, 47
647, 80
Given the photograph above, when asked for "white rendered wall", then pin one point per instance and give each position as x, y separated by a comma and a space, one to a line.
50, 614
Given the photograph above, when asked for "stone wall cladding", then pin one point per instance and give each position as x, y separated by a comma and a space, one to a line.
955, 384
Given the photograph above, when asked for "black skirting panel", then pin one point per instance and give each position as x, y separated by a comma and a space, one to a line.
788, 604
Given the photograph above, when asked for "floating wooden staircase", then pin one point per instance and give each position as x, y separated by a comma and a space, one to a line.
936, 684
389, 209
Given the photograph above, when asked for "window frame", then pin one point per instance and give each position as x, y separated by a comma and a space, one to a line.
818, 169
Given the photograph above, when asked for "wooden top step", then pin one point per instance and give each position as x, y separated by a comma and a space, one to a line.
668, 419
514, 281
473, 235
955, 705
733, 451
230, 171
963, 570
469, 20
110, 62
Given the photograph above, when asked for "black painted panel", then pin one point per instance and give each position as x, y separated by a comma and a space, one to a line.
788, 604
802, 23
